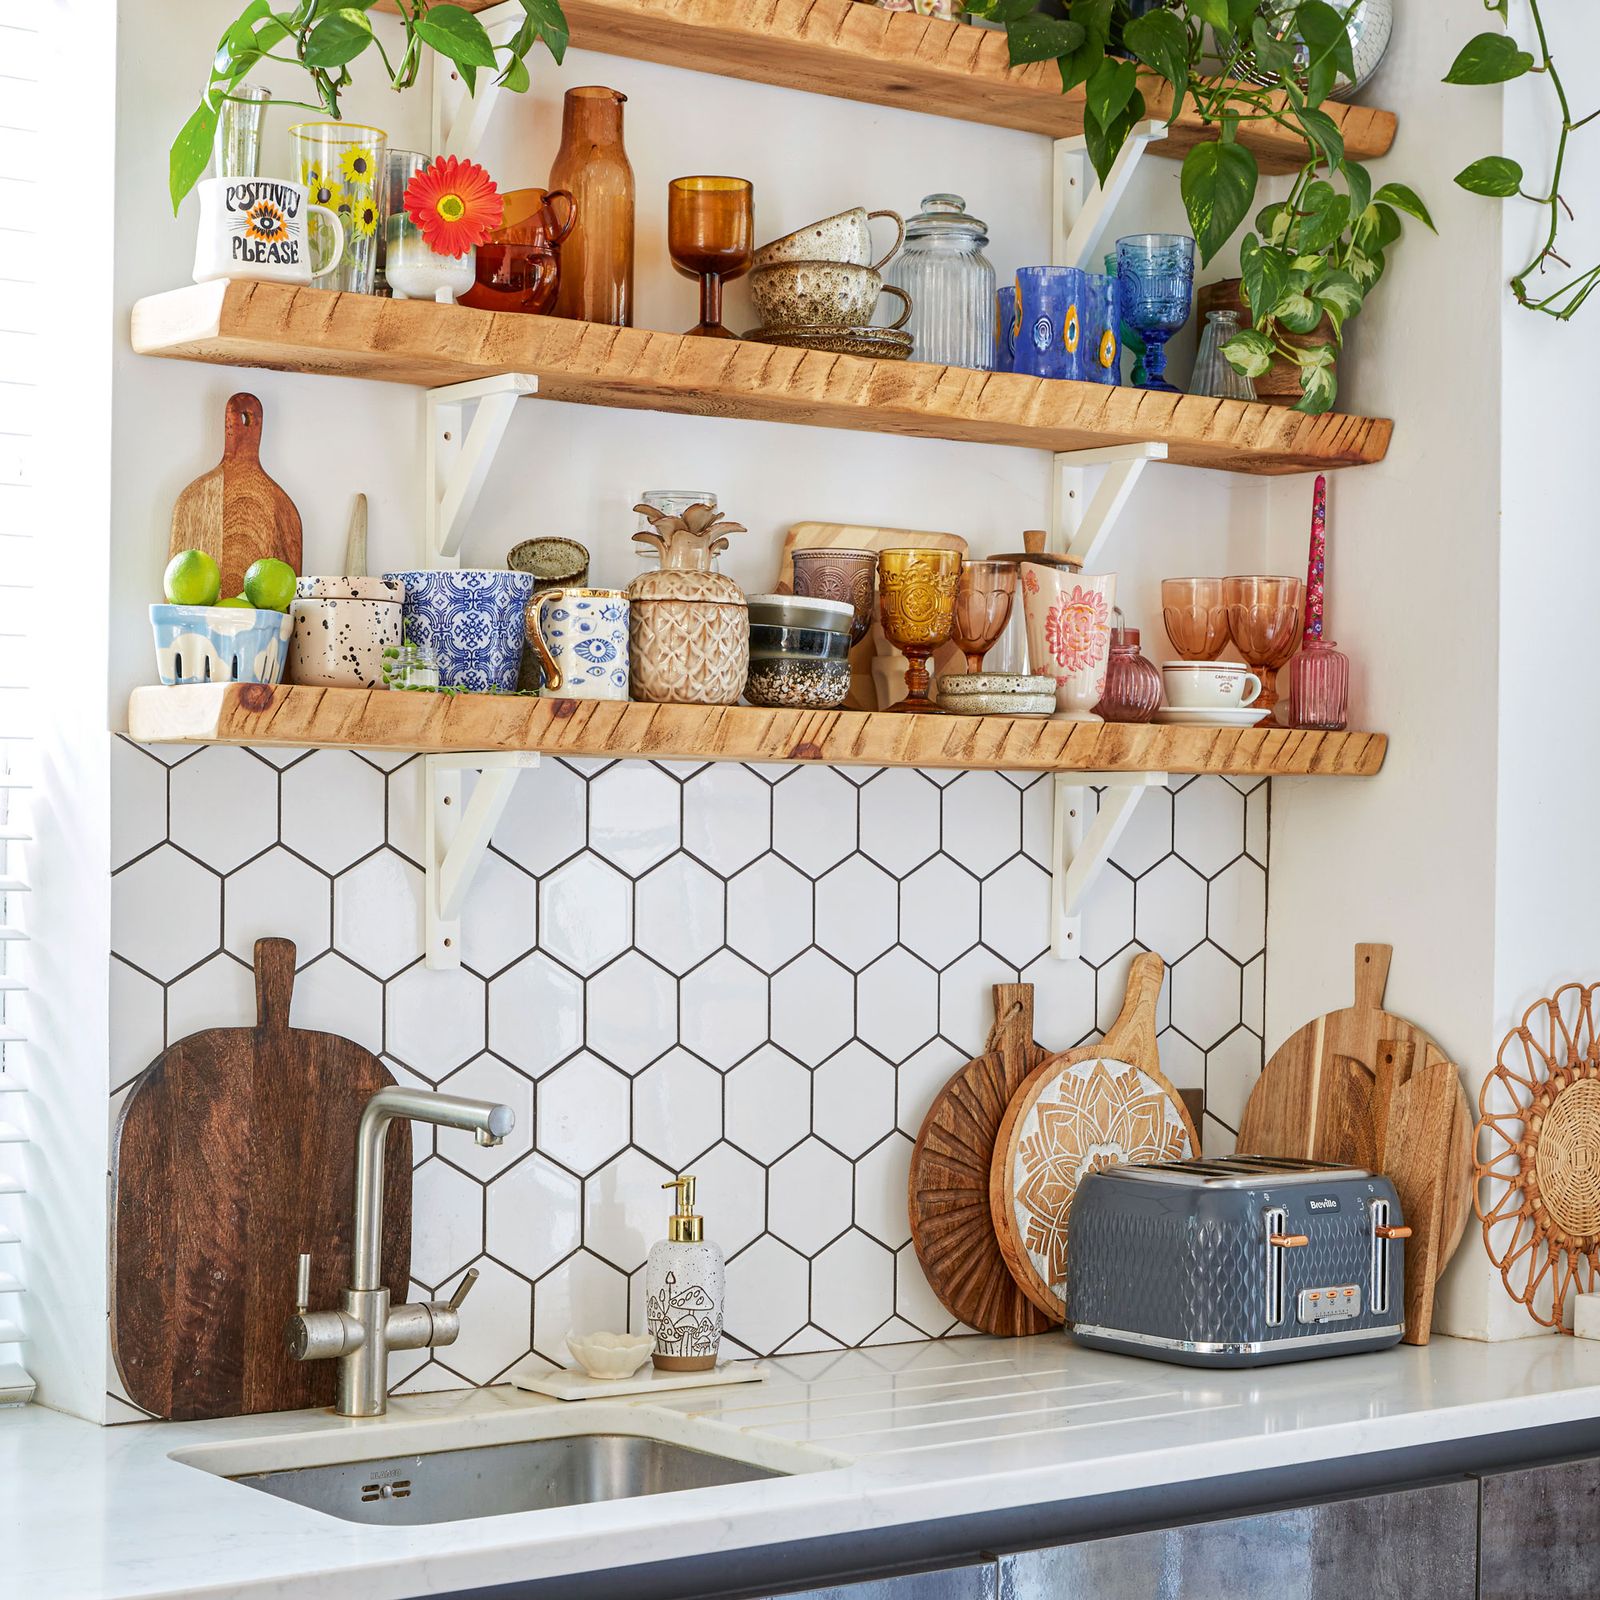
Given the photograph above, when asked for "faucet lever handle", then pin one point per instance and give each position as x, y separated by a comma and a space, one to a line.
302, 1283
463, 1289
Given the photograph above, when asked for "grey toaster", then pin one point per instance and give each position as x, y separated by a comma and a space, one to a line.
1236, 1262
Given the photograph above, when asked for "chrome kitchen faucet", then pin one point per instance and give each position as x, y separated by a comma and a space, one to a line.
366, 1328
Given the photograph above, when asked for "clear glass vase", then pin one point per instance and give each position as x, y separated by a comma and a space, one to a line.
1213, 375
951, 284
411, 269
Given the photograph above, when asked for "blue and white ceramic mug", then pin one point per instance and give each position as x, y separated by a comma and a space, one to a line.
582, 639
1052, 302
472, 619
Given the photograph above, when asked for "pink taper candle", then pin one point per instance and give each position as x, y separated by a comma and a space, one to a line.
1319, 551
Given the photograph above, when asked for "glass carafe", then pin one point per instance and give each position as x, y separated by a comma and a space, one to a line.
951, 284
597, 258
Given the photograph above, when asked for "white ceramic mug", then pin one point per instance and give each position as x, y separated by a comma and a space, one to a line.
1210, 685
581, 636
259, 228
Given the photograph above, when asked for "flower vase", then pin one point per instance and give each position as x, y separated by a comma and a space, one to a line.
1068, 616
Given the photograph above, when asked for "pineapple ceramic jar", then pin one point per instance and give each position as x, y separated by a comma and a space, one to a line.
689, 627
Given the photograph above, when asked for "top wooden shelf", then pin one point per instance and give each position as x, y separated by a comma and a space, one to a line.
895, 58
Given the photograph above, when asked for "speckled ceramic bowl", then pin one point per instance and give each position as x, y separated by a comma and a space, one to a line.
820, 294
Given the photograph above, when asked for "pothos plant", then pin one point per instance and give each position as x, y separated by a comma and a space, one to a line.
1311, 259
323, 37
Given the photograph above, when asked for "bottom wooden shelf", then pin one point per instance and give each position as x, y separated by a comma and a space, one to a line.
358, 719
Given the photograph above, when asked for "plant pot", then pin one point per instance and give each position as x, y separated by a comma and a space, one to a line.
1279, 385
219, 644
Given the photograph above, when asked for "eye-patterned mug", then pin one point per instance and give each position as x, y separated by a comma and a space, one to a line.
260, 228
581, 636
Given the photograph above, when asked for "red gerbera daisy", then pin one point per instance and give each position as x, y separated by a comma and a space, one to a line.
455, 204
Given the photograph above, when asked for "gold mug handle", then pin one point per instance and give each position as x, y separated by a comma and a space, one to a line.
554, 678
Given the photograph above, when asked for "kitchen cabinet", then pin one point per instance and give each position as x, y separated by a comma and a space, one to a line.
1540, 1532
970, 1582
1415, 1544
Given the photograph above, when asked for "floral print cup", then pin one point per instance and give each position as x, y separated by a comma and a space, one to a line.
341, 163
581, 636
1069, 634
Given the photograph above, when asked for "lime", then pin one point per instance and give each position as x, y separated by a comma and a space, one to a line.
237, 600
269, 584
192, 578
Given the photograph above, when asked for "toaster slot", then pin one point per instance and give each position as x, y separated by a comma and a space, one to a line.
1277, 1221
1382, 1232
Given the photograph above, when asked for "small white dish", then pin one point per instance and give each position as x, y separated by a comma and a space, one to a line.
610, 1355
1211, 716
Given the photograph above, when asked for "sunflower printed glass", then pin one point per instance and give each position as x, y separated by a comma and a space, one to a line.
341, 163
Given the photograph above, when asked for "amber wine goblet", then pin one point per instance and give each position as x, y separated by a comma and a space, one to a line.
711, 236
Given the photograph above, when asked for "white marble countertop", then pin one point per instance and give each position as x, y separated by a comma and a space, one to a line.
925, 1431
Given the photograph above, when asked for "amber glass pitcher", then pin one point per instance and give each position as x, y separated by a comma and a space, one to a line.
597, 258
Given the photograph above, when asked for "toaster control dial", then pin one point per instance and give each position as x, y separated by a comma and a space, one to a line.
1329, 1305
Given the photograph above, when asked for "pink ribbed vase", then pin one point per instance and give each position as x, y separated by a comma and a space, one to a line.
1319, 687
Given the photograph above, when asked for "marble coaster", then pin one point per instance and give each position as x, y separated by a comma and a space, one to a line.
568, 1383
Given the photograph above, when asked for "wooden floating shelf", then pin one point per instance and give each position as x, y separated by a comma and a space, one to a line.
418, 342
889, 58
358, 719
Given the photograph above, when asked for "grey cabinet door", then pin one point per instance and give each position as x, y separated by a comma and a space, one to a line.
975, 1582
1541, 1533
1416, 1544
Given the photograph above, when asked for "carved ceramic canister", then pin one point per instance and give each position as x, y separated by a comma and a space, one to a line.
848, 575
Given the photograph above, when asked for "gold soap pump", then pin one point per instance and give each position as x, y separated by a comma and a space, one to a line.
684, 1286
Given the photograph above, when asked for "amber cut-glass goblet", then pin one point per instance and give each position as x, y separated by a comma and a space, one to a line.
985, 593
711, 236
1195, 616
917, 605
1264, 618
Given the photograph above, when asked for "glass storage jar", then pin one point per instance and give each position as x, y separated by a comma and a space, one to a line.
951, 284
674, 502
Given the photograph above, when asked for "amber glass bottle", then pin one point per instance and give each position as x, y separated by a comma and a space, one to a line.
597, 256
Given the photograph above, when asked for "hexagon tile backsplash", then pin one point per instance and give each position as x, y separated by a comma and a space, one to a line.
760, 974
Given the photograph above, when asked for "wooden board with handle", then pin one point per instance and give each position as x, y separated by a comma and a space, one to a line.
948, 1189
1079, 1111
235, 512
1315, 1098
235, 1152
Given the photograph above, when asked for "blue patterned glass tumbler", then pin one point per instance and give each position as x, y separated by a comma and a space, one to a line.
1155, 281
1053, 302
1102, 338
1005, 329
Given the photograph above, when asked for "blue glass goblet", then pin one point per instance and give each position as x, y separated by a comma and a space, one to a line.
1155, 283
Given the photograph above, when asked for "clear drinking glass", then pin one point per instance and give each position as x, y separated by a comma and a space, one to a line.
236, 145
1155, 283
344, 162
951, 284
1213, 375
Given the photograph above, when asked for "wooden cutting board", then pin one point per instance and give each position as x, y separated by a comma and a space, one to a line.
234, 1153
948, 1189
1093, 1107
1315, 1097
235, 512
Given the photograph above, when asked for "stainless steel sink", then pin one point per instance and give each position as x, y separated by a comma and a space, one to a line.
493, 1480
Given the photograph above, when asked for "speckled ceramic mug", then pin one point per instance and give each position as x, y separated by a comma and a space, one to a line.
821, 294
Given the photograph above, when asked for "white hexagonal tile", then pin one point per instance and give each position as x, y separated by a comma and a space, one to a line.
1257, 821
138, 1032
814, 819
982, 821
1111, 991
535, 1216
809, 1196
810, 1340
586, 913
813, 1007
582, 1295
633, 816
166, 913
277, 896
224, 807
1038, 820
632, 1012
768, 1107
377, 913
1169, 909
500, 921
727, 817
535, 1014
434, 1020
882, 1175
1216, 1139
1182, 1064
1063, 1001
1147, 838
678, 913
139, 818
446, 1222
899, 820
857, 912
219, 993
1253, 1008
1106, 924
723, 1006
966, 999
914, 1300
624, 1209
768, 1288
939, 911
852, 1287
333, 996
332, 809
897, 1004
403, 818
1205, 996
582, 1112
919, 1078
769, 913
733, 1189
497, 1331
1232, 1069
1208, 824
488, 1079
677, 1108
853, 1099
545, 819
1236, 916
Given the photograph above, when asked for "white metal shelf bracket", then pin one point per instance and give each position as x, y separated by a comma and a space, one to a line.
1081, 849
1081, 206
459, 122
1080, 526
459, 457
456, 837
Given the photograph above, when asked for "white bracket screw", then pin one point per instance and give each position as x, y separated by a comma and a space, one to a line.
1081, 849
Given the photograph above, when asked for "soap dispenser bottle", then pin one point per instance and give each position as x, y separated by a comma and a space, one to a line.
683, 1289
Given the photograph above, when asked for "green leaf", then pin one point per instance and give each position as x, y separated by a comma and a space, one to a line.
1041, 38
1094, 17
190, 152
1105, 141
1273, 222
551, 22
1497, 176
1365, 267
1265, 276
1359, 182
1110, 89
1218, 184
1326, 34
1322, 133
1162, 42
1319, 389
1339, 294
456, 34
338, 39
1299, 313
1250, 352
515, 77
1271, 53
1214, 13
1489, 58
1406, 200
1325, 226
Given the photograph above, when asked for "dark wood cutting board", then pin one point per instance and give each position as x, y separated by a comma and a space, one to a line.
235, 512
235, 1152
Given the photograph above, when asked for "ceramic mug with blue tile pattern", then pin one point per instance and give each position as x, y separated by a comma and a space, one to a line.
582, 639
1051, 302
472, 620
